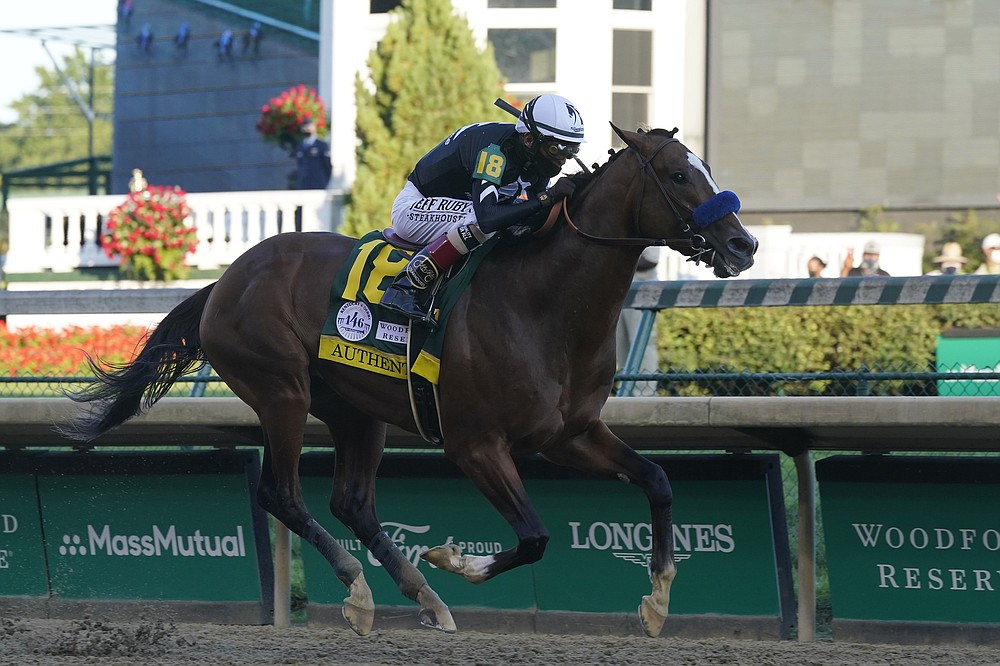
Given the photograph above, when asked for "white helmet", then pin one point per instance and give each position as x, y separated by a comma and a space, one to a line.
554, 116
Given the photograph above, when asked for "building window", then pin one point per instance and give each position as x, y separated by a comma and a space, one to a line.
631, 79
642, 5
629, 111
525, 56
632, 58
519, 4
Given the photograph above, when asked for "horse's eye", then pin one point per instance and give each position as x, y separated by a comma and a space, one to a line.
679, 177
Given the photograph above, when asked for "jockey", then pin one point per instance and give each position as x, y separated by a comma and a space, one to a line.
480, 180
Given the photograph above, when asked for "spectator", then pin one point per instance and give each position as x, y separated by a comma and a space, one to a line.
183, 35
628, 324
991, 256
950, 261
137, 183
313, 157
224, 45
869, 262
145, 38
252, 38
815, 266
125, 10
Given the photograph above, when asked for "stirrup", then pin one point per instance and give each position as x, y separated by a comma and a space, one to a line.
406, 301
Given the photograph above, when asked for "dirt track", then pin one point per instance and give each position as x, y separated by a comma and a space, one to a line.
71, 642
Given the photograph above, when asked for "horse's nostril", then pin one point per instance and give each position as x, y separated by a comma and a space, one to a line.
743, 246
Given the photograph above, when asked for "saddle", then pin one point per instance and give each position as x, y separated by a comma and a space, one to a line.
391, 236
361, 333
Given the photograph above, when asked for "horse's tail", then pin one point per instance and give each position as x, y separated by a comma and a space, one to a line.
170, 351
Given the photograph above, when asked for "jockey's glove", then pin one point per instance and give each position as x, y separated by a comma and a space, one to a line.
563, 188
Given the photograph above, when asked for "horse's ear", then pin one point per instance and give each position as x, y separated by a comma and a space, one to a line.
622, 134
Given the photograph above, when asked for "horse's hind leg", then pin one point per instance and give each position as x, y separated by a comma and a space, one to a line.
600, 451
489, 466
359, 442
280, 494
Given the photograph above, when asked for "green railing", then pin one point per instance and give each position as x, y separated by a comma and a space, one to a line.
653, 297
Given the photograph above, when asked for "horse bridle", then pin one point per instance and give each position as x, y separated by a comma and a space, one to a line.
696, 241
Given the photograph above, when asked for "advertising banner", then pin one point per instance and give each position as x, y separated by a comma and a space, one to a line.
600, 545
729, 521
912, 539
150, 537
22, 556
131, 526
968, 350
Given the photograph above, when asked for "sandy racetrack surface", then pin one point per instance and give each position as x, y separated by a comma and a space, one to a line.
71, 642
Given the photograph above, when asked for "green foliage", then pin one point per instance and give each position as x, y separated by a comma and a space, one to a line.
427, 80
809, 339
966, 229
50, 127
874, 220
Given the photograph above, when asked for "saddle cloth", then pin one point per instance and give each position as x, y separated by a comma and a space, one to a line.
361, 333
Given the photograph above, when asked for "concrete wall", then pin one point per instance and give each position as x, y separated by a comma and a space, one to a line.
850, 104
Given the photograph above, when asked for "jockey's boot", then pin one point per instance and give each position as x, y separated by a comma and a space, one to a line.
412, 292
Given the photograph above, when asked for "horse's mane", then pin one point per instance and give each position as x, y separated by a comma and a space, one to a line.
584, 178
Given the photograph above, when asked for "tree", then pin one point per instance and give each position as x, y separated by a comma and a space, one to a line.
50, 127
428, 78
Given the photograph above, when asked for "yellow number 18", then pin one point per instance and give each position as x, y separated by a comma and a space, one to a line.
490, 164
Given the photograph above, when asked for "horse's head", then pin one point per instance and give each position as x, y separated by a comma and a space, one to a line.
696, 209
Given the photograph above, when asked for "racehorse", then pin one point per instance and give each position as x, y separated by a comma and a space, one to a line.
527, 365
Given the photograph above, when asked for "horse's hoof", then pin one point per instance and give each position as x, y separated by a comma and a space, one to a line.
433, 612
652, 620
359, 608
360, 619
447, 558
441, 620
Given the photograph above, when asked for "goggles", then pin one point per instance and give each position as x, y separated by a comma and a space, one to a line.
555, 149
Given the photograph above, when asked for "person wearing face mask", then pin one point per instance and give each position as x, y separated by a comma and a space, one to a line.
312, 156
482, 179
951, 261
869, 262
991, 256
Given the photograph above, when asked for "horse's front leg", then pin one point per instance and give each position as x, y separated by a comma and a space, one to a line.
599, 451
490, 467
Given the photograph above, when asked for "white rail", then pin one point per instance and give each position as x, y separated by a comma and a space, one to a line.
61, 234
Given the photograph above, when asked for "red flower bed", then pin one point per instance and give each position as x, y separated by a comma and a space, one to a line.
35, 352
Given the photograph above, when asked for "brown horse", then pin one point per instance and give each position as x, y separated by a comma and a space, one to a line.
528, 363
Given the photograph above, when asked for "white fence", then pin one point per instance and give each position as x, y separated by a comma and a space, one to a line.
61, 234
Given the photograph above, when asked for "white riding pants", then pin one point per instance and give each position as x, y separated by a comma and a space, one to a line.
421, 219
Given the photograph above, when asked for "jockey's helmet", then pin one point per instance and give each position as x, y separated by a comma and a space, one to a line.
552, 116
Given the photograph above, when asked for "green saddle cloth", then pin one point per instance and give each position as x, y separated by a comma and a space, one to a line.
361, 333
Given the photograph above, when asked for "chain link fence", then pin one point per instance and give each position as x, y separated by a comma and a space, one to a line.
900, 380
895, 380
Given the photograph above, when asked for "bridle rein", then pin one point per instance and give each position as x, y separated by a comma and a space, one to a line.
693, 240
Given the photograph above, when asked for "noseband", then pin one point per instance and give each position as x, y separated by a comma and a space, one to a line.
715, 208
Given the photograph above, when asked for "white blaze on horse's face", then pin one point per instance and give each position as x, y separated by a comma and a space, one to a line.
696, 162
